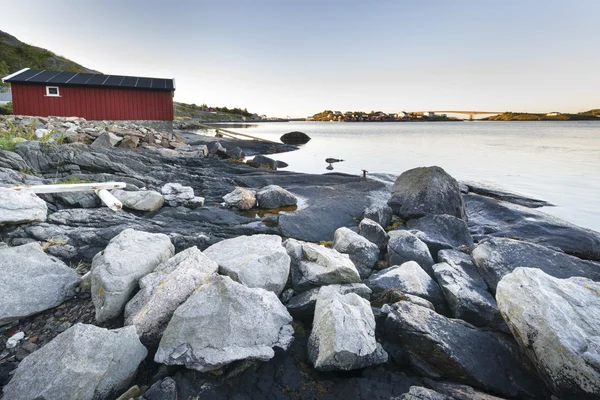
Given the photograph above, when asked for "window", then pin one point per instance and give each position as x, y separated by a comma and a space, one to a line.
52, 91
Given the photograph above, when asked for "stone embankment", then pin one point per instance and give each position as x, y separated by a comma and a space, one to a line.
220, 280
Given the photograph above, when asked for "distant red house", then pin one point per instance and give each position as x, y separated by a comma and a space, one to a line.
91, 96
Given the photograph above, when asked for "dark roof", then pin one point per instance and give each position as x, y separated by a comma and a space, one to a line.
98, 80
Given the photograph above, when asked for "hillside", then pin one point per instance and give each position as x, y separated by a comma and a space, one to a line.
591, 113
513, 116
188, 112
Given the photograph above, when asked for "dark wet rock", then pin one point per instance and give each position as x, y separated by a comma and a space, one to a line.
165, 389
362, 252
73, 200
403, 246
263, 162
303, 305
295, 138
439, 347
250, 147
380, 214
498, 193
427, 190
497, 257
441, 232
493, 218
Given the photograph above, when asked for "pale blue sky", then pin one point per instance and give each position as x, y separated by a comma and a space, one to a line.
298, 58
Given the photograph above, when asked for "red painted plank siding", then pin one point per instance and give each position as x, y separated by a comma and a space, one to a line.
93, 103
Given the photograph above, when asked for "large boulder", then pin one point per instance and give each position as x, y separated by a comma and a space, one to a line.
165, 289
303, 304
343, 333
116, 270
295, 138
258, 261
373, 232
241, 198
84, 362
441, 232
465, 290
224, 321
556, 323
498, 257
315, 265
403, 246
362, 252
274, 196
17, 207
32, 282
141, 200
426, 190
444, 348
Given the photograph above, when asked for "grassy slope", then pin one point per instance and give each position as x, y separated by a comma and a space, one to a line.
185, 111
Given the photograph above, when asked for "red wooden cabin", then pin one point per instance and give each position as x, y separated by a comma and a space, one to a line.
91, 96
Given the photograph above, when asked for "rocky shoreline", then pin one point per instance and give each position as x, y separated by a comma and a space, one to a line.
220, 279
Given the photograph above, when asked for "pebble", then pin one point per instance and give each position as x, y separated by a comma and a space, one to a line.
14, 340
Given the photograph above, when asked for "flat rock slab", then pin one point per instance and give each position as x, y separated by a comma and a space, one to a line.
84, 362
18, 207
556, 323
257, 261
225, 321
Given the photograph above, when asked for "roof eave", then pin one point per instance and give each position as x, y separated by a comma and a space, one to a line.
15, 74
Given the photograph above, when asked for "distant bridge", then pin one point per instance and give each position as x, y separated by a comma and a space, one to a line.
469, 113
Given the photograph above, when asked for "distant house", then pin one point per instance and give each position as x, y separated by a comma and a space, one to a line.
91, 96
402, 115
429, 114
5, 97
553, 114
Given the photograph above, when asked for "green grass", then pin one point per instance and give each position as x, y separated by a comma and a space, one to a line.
18, 133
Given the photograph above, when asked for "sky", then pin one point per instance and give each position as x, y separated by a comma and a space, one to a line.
284, 58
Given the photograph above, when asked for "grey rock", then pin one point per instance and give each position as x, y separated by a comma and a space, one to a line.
218, 149
441, 232
362, 252
314, 265
241, 198
84, 362
303, 304
444, 348
498, 257
165, 389
32, 282
141, 200
116, 270
380, 214
403, 246
421, 393
224, 321
237, 153
9, 159
459, 392
175, 194
343, 333
555, 322
257, 261
17, 207
274, 196
73, 199
129, 142
106, 139
373, 232
393, 296
165, 289
427, 190
410, 278
263, 162
496, 192
466, 292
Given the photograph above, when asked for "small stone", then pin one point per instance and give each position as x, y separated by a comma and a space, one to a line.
14, 340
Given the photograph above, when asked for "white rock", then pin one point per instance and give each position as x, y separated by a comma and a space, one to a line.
361, 251
141, 200
176, 194
14, 340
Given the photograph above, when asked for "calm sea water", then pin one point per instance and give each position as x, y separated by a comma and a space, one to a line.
556, 161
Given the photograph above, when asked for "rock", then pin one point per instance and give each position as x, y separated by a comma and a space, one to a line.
303, 305
393, 296
295, 138
282, 164
42, 133
466, 292
224, 321
237, 153
441, 232
458, 392
555, 323
17, 207
175, 194
380, 214
84, 362
73, 199
314, 265
129, 142
240, 198
106, 139
162, 390
116, 270
218, 150
32, 282
496, 192
498, 257
263, 162
373, 232
343, 333
141, 200
14, 340
274, 196
427, 190
11, 160
410, 278
165, 289
403, 246
257, 261
445, 348
362, 252
421, 393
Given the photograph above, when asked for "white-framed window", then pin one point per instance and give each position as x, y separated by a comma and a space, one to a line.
52, 91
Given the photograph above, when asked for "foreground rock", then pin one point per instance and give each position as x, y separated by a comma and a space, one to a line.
115, 271
274, 196
17, 207
498, 257
556, 323
240, 198
343, 334
206, 334
165, 289
403, 246
380, 214
362, 252
84, 362
258, 261
303, 305
427, 190
141, 200
441, 232
314, 265
32, 282
440, 347
373, 232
